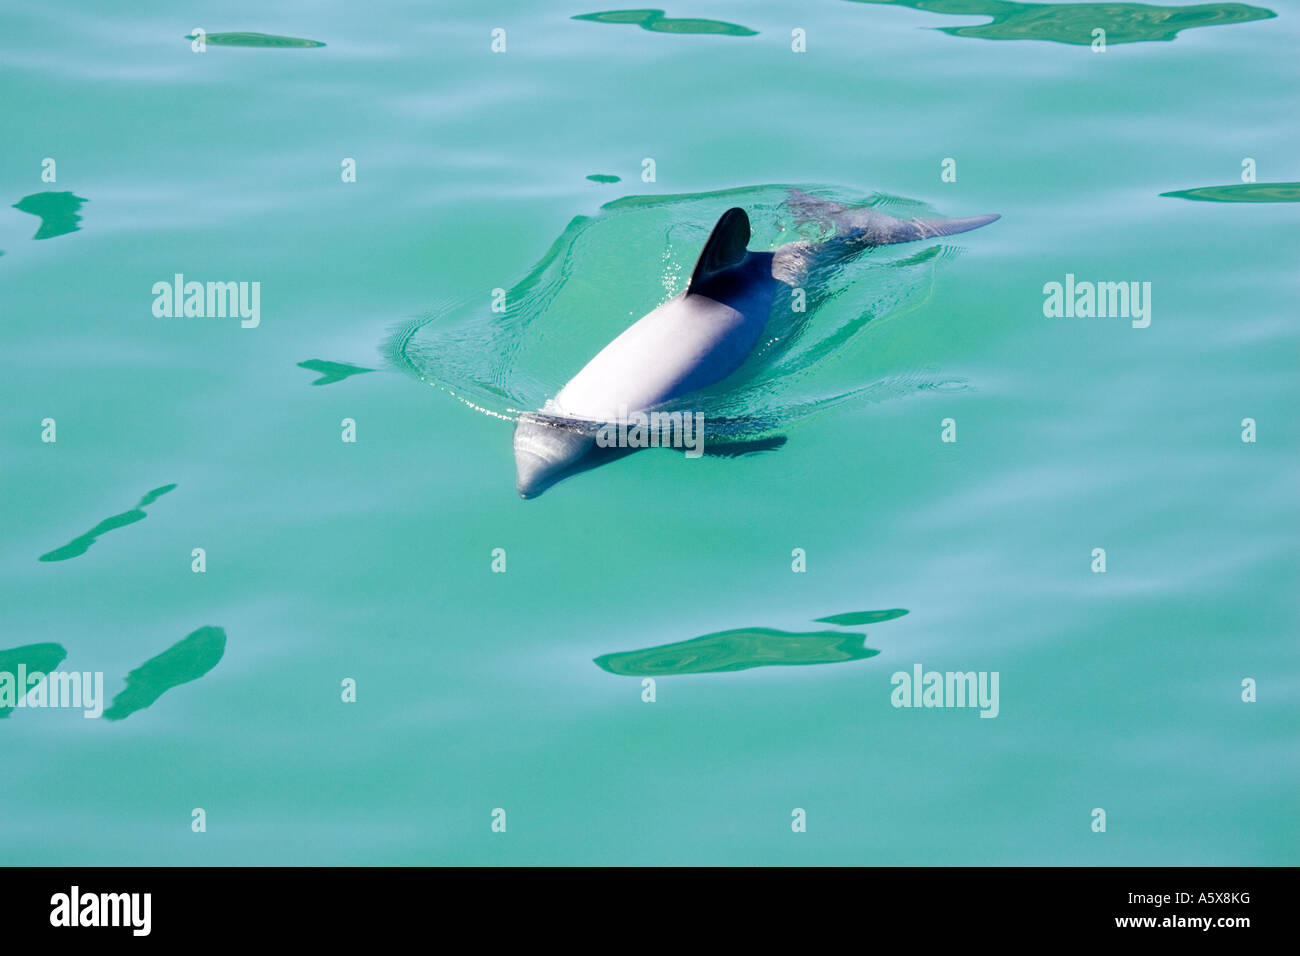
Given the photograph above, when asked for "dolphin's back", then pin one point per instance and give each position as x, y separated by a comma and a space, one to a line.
688, 343
691, 341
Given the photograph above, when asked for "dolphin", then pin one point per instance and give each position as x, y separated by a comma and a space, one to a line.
699, 337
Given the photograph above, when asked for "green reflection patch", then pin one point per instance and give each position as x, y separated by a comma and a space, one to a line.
1242, 192
258, 40
188, 659
738, 650
34, 659
655, 21
58, 211
856, 618
1075, 22
81, 544
332, 372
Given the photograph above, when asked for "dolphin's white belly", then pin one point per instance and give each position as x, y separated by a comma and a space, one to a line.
684, 344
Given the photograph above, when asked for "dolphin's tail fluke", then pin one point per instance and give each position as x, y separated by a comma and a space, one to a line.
865, 225
882, 230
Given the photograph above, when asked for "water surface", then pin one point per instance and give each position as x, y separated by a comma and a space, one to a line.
371, 561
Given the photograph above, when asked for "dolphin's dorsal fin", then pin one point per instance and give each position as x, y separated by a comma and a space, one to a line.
726, 247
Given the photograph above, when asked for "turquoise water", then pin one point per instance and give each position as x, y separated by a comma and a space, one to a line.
373, 560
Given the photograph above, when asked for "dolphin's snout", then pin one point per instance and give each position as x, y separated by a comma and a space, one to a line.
531, 472
544, 454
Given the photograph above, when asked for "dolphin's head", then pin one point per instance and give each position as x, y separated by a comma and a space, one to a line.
546, 451
550, 448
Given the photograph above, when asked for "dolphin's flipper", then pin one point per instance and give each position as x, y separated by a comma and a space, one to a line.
726, 247
869, 226
736, 449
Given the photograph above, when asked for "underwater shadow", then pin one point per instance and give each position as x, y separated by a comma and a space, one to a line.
596, 455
